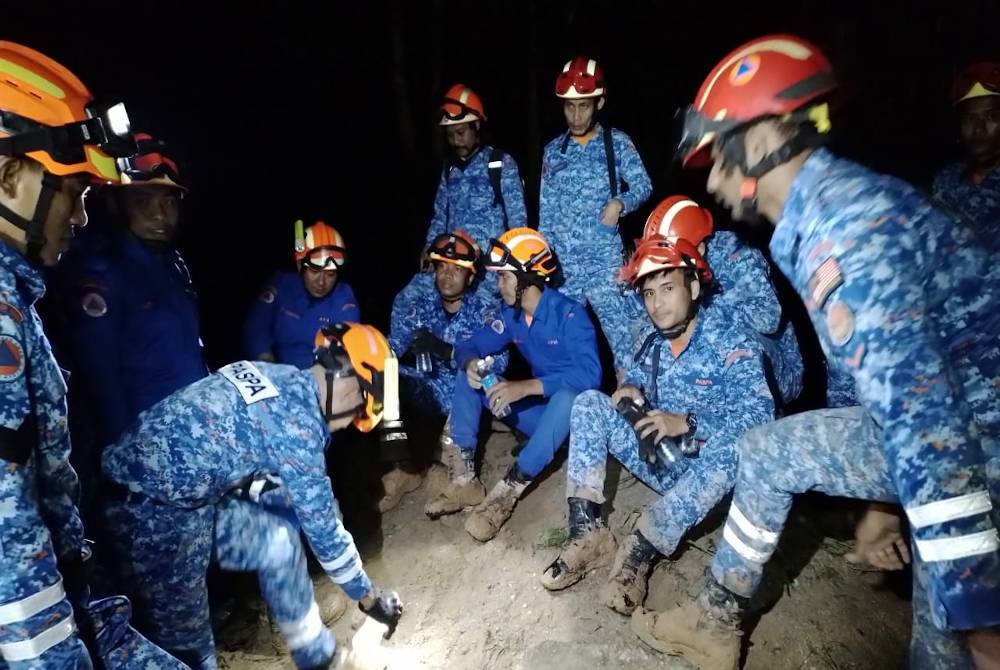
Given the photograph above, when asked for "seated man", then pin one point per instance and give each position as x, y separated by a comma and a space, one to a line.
231, 469
283, 321
429, 316
703, 393
557, 339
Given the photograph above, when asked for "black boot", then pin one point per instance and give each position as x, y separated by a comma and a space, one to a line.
591, 545
626, 587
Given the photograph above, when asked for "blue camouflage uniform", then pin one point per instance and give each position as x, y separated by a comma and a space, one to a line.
979, 204
465, 199
744, 290
560, 346
134, 329
906, 300
719, 378
39, 520
284, 319
188, 477
419, 305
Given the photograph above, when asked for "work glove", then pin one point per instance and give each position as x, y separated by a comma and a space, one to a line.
386, 609
426, 341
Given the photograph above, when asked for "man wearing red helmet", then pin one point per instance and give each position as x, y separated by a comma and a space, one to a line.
900, 296
699, 379
972, 187
592, 175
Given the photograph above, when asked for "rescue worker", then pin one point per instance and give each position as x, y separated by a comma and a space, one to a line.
742, 289
480, 191
283, 321
699, 377
54, 143
558, 341
428, 319
130, 303
972, 186
231, 469
903, 297
591, 177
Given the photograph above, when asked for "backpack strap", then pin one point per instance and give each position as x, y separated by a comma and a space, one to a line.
495, 167
609, 154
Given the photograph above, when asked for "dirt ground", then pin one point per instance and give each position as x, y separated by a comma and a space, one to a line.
472, 606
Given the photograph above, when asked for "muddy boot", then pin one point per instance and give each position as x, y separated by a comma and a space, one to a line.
626, 587
397, 483
486, 520
591, 545
705, 631
464, 489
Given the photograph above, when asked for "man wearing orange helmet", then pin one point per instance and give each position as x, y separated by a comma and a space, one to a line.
480, 190
429, 318
54, 143
283, 320
972, 187
557, 339
903, 298
231, 469
698, 384
592, 175
128, 299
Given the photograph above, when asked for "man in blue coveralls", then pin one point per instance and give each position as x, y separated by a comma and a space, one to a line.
700, 377
54, 143
283, 321
904, 298
555, 336
231, 469
429, 318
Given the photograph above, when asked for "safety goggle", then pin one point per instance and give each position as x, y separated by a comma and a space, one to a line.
325, 258
983, 76
149, 164
107, 128
658, 253
502, 258
455, 250
583, 82
455, 110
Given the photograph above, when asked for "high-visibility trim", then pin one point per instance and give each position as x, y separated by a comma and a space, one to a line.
24, 609
753, 532
26, 650
942, 511
962, 546
302, 633
743, 549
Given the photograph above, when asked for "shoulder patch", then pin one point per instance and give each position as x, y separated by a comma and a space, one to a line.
840, 323
497, 326
824, 281
736, 355
11, 311
267, 295
94, 305
11, 359
251, 384
347, 306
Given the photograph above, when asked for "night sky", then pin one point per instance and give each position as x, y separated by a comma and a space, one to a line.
282, 110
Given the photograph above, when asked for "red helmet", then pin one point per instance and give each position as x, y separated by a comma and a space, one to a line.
461, 105
151, 166
455, 248
679, 217
976, 81
774, 75
581, 78
658, 253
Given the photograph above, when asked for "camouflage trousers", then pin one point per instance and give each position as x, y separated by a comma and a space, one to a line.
833, 451
688, 490
164, 553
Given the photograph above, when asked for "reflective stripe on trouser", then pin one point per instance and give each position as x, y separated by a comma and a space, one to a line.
616, 309
544, 420
163, 554
249, 537
688, 490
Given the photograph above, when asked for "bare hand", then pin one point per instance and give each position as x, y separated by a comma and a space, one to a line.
504, 394
661, 425
612, 212
472, 374
627, 391
879, 540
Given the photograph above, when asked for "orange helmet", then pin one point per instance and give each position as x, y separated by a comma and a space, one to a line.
521, 250
455, 248
976, 81
151, 166
319, 246
772, 76
679, 217
461, 105
581, 78
368, 351
47, 114
658, 253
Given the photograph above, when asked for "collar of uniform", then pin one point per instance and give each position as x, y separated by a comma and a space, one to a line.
135, 248
567, 140
481, 150
790, 227
30, 283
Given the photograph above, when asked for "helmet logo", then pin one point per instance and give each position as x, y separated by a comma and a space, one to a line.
744, 70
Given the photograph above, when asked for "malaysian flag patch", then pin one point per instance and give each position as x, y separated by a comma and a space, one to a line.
824, 281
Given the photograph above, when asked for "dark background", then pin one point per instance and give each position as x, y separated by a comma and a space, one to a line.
282, 110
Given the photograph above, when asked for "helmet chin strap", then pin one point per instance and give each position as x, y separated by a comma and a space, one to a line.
34, 228
330, 376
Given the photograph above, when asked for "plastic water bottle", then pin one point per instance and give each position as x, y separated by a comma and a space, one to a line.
490, 379
425, 363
